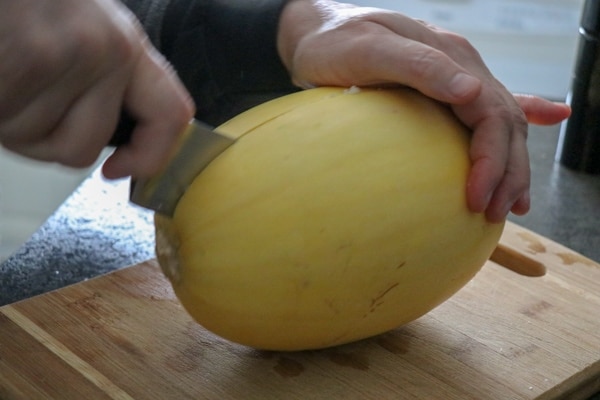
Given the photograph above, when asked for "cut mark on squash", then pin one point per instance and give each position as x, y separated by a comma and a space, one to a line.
378, 300
267, 121
352, 90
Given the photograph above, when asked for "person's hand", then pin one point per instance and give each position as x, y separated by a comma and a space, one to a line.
68, 68
323, 42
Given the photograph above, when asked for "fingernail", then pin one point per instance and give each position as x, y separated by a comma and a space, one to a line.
522, 205
462, 85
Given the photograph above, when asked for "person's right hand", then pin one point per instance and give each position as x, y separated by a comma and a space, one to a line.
68, 68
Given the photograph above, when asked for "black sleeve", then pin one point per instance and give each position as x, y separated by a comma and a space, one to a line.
224, 51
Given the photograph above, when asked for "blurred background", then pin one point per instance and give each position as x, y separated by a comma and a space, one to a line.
529, 45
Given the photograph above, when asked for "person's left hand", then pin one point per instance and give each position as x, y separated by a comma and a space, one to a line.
323, 42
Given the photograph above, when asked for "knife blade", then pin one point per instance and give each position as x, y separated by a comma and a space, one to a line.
198, 145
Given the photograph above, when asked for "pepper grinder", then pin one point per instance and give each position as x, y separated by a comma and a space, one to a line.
579, 142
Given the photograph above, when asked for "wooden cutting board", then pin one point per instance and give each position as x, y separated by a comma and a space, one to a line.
503, 336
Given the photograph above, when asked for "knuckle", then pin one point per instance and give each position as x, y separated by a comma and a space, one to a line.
516, 117
460, 41
43, 54
459, 45
87, 47
64, 147
503, 107
97, 48
519, 177
424, 62
457, 40
503, 113
33, 56
73, 156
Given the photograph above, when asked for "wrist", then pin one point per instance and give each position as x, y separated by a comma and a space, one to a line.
298, 19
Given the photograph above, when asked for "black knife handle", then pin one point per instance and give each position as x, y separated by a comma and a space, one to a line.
124, 130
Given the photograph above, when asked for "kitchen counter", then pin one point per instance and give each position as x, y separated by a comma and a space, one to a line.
97, 231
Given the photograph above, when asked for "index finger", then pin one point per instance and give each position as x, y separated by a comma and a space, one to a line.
162, 107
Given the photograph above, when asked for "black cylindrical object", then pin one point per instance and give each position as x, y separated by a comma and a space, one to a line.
579, 144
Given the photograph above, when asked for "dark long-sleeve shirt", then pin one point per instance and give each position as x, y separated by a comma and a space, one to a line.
224, 51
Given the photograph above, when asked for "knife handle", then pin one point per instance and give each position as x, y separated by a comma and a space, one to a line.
124, 129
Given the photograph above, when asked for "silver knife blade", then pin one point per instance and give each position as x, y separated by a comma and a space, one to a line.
199, 145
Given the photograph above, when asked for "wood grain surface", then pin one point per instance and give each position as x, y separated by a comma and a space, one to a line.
503, 336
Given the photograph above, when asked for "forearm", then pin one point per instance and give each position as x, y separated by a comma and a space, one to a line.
298, 19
